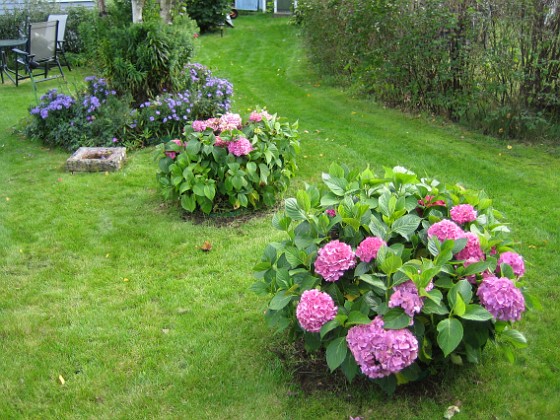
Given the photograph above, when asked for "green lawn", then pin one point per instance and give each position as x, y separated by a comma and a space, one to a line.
104, 285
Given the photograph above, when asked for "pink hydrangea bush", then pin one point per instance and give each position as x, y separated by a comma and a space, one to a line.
410, 267
225, 164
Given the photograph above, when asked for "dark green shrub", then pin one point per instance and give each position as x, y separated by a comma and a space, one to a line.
207, 13
473, 62
145, 59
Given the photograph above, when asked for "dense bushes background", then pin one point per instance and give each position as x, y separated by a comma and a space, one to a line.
491, 64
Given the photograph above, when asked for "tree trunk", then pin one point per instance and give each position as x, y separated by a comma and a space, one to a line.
101, 7
137, 7
165, 10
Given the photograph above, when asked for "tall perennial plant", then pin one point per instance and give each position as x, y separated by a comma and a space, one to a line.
224, 164
394, 277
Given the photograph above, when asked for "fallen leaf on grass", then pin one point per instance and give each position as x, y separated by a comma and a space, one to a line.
61, 380
509, 146
451, 411
206, 246
125, 279
7, 198
165, 330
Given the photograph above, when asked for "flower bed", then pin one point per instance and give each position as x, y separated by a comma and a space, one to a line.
225, 164
395, 276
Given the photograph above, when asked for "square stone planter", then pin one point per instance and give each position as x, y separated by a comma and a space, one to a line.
96, 159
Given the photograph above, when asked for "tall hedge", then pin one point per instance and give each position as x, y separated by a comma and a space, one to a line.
491, 64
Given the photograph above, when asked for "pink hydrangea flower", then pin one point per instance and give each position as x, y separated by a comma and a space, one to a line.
406, 296
463, 213
444, 230
369, 247
213, 123
230, 122
333, 260
472, 250
240, 147
381, 352
255, 117
501, 298
314, 310
199, 125
514, 260
219, 142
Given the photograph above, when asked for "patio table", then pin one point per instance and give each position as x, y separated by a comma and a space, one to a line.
5, 44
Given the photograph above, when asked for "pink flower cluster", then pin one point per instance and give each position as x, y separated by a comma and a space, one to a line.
219, 142
199, 125
226, 122
514, 260
463, 213
172, 154
240, 147
333, 260
501, 298
314, 310
369, 247
472, 250
259, 116
330, 212
444, 230
230, 122
406, 296
381, 352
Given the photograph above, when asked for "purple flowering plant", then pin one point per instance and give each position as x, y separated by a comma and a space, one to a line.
225, 164
415, 286
201, 96
92, 116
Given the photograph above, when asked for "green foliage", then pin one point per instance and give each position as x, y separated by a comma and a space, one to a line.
449, 320
207, 173
207, 13
487, 65
145, 59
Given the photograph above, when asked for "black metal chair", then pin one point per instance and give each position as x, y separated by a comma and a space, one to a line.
40, 54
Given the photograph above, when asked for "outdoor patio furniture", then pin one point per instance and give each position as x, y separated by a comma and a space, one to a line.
40, 54
60, 36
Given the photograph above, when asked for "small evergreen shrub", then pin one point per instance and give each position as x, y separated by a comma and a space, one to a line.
394, 276
224, 164
208, 13
145, 59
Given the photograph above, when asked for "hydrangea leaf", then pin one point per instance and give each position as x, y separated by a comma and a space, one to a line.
395, 319
336, 352
280, 300
349, 367
406, 225
450, 334
328, 327
357, 318
476, 313
293, 210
